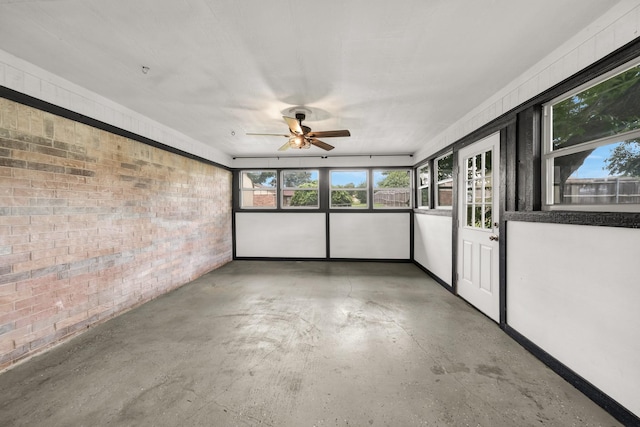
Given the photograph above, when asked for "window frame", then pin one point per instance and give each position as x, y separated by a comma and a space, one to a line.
283, 188
548, 154
409, 187
437, 182
242, 189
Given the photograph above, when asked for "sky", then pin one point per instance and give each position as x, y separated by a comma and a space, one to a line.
346, 177
594, 165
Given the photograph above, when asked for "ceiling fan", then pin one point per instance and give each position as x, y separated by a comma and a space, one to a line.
301, 136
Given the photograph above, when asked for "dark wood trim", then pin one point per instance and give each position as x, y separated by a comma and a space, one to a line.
603, 219
510, 167
47, 107
528, 179
455, 221
412, 235
618, 411
388, 260
507, 138
234, 202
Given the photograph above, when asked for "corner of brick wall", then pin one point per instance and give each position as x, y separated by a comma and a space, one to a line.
92, 224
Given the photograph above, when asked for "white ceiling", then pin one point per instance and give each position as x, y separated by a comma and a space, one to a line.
395, 73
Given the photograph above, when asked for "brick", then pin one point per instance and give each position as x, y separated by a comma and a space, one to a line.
14, 220
31, 229
49, 253
25, 137
14, 355
33, 265
48, 202
49, 151
13, 144
15, 258
12, 163
77, 171
30, 210
50, 183
45, 167
42, 301
69, 321
33, 192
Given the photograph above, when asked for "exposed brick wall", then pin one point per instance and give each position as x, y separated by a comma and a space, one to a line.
92, 224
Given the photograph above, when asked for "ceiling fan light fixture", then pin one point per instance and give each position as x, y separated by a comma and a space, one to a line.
301, 136
299, 142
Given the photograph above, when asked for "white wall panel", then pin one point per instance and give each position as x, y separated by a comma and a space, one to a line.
574, 291
370, 235
432, 244
280, 235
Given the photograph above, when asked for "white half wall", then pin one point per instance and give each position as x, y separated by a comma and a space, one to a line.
574, 291
370, 235
280, 235
432, 244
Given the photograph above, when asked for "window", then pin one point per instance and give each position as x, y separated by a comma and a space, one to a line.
424, 180
479, 197
592, 145
300, 189
391, 188
349, 189
258, 189
444, 175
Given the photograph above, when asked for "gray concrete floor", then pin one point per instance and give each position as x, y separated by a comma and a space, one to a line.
295, 344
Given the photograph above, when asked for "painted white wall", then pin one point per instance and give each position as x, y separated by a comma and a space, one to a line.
432, 244
575, 292
281, 234
370, 235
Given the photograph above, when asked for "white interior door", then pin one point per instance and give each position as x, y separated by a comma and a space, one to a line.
478, 201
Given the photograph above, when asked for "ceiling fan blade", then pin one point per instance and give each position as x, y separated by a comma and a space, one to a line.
321, 144
329, 134
284, 147
268, 134
294, 124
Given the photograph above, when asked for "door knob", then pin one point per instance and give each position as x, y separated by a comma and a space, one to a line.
493, 238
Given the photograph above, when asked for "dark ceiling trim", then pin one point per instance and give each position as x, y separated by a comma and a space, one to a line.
48, 107
322, 157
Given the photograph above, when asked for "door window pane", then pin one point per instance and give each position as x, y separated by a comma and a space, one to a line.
479, 191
